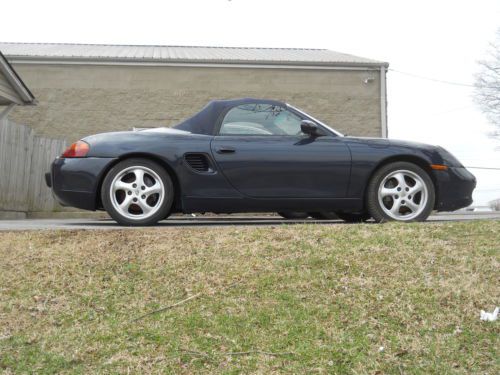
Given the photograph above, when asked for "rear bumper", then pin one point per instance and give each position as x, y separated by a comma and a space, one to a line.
454, 188
76, 182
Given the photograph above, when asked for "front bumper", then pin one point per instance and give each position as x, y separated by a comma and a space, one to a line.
76, 182
454, 188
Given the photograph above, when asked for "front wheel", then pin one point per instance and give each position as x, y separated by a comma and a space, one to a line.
137, 192
400, 191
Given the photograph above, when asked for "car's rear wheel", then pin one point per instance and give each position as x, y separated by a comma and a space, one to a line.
293, 215
137, 192
324, 215
400, 191
354, 217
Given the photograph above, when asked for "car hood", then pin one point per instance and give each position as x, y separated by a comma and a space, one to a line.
436, 153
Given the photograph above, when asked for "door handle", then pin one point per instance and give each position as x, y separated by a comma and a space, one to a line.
225, 150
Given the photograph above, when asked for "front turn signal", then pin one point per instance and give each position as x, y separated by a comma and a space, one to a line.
439, 167
78, 149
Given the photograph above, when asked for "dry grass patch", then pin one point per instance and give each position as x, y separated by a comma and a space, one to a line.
300, 298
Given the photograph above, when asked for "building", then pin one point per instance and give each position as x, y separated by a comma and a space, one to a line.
86, 89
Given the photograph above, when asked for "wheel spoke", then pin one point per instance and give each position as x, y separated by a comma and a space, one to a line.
388, 191
156, 188
395, 207
120, 185
146, 208
416, 188
412, 205
126, 203
400, 177
139, 176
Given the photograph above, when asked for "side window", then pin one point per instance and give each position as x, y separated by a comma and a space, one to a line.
260, 119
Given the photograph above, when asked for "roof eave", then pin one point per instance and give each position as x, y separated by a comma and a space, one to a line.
16, 82
132, 61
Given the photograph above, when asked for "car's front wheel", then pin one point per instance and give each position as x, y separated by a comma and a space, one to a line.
400, 191
137, 192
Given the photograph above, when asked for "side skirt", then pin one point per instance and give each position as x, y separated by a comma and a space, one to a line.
233, 205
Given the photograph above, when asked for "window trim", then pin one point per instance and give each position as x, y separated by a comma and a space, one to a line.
315, 120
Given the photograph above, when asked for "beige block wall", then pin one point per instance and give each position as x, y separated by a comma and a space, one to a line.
79, 100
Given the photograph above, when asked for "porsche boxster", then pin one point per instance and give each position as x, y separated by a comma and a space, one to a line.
257, 155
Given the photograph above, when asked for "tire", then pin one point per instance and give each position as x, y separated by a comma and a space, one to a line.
293, 215
137, 204
324, 215
354, 217
393, 187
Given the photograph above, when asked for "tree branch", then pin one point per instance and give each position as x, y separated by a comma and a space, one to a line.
167, 307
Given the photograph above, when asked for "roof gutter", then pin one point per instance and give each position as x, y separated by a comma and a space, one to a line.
16, 82
196, 63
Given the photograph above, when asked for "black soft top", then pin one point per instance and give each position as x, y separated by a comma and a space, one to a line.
206, 121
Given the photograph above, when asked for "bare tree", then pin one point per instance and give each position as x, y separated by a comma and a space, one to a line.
487, 85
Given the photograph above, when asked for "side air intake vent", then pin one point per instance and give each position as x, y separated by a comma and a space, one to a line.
199, 162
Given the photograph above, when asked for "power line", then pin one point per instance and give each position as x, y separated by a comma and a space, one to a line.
426, 115
490, 168
432, 79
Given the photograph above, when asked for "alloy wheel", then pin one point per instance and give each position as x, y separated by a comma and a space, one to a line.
403, 195
137, 192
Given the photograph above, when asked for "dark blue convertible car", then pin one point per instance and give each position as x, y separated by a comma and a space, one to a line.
257, 155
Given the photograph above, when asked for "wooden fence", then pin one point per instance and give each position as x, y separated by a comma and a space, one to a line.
24, 159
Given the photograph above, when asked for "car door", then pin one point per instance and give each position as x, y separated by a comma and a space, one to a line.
263, 153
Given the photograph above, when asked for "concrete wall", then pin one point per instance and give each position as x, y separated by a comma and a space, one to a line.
78, 100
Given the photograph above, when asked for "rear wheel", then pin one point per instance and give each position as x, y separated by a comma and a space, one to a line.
137, 192
400, 191
293, 215
324, 215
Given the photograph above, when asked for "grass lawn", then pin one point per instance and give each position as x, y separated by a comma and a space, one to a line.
360, 299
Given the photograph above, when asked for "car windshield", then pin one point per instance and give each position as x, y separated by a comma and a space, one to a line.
316, 120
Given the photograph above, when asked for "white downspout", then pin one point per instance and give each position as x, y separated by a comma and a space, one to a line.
383, 102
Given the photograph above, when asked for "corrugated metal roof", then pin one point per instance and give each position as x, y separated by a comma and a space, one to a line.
153, 53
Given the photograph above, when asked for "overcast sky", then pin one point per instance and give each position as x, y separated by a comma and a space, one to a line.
440, 39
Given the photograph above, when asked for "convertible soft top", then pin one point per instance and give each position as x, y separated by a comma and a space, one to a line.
206, 121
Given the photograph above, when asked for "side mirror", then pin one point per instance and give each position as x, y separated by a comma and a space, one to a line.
310, 128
